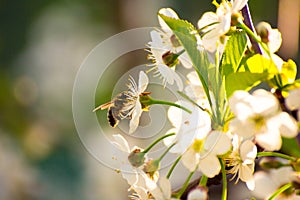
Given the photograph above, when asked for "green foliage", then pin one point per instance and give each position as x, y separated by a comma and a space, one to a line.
243, 81
234, 52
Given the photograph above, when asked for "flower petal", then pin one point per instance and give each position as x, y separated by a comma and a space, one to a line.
209, 165
217, 143
169, 13
143, 82
248, 151
288, 125
134, 122
129, 174
292, 101
269, 140
121, 143
190, 159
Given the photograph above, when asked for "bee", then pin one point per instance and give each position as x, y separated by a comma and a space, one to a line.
119, 108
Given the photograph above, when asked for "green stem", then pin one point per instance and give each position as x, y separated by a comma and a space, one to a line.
157, 141
275, 154
165, 152
224, 180
280, 190
153, 101
255, 37
186, 184
203, 180
173, 167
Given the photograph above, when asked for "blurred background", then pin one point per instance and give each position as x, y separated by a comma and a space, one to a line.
42, 45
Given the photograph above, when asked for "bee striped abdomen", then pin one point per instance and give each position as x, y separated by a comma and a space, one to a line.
111, 119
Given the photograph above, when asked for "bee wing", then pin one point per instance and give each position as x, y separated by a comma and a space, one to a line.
103, 106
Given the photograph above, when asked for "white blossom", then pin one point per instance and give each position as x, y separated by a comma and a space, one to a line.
293, 101
266, 183
216, 25
242, 160
203, 153
259, 116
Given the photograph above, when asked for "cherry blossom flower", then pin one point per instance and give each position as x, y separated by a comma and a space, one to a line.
158, 51
216, 25
259, 115
203, 153
134, 176
242, 160
186, 126
170, 40
266, 183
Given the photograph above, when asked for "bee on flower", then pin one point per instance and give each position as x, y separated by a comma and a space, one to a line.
127, 104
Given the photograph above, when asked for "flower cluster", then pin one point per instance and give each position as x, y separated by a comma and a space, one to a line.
225, 124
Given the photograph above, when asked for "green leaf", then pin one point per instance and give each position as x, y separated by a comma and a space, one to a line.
260, 64
290, 146
243, 81
186, 34
234, 52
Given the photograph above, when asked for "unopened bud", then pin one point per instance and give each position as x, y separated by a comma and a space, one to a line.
136, 158
263, 30
199, 193
170, 59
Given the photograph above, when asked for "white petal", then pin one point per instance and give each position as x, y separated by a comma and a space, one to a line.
207, 18
250, 184
237, 5
269, 140
264, 185
292, 101
185, 60
171, 139
264, 102
194, 78
129, 174
218, 143
169, 13
246, 172
288, 125
209, 165
248, 151
240, 104
121, 143
190, 159
275, 40
165, 186
238, 127
134, 122
143, 82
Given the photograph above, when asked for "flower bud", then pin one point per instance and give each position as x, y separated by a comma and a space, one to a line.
263, 30
170, 59
136, 158
199, 193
